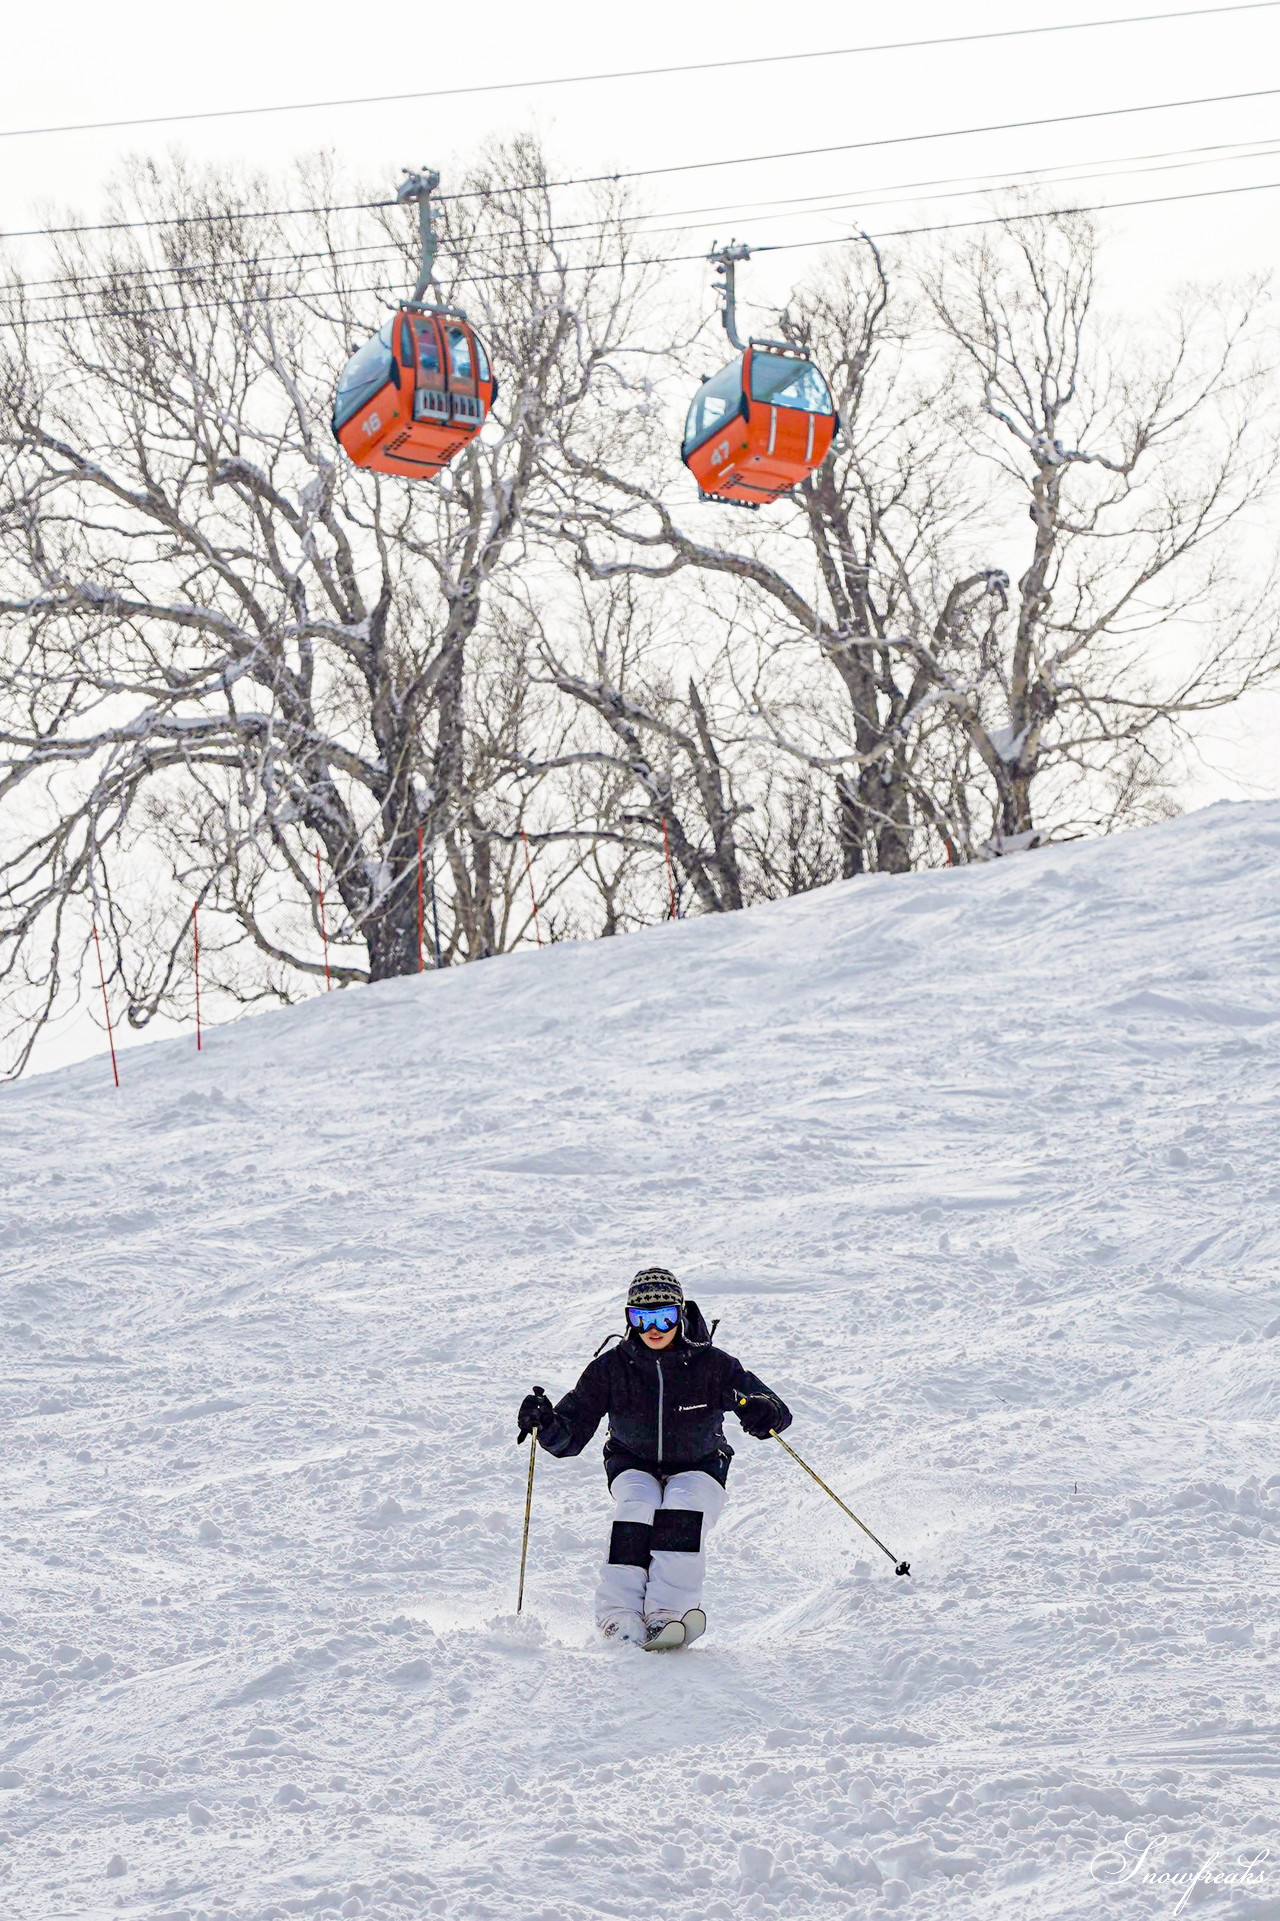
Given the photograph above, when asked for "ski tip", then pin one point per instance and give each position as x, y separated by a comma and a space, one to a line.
695, 1626
669, 1636
902, 1568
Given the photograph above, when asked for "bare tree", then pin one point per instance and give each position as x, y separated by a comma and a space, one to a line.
238, 672
884, 519
1136, 456
791, 840
840, 579
661, 750
212, 620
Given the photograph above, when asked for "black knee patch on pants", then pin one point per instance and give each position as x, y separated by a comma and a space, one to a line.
678, 1529
630, 1544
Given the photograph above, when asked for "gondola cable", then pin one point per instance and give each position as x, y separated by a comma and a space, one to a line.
791, 207
670, 260
648, 173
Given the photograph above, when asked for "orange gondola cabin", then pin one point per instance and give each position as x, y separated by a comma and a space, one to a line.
759, 427
410, 400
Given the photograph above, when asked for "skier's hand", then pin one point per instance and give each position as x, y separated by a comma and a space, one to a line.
535, 1411
759, 1414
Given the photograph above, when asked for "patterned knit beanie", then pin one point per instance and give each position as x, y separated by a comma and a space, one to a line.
655, 1287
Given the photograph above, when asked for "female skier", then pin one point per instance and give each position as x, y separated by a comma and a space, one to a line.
665, 1389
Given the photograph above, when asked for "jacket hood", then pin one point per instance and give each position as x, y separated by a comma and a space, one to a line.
693, 1327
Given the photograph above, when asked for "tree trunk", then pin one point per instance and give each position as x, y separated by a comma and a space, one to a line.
392, 937
874, 820
1015, 801
720, 818
893, 838
854, 826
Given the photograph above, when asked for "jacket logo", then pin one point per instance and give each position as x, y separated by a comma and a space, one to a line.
695, 1407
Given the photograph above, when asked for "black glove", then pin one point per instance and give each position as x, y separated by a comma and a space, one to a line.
759, 1414
535, 1411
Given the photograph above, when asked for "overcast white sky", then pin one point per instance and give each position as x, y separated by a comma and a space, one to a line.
133, 60
88, 62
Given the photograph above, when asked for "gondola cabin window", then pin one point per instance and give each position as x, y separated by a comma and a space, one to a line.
364, 374
459, 354
428, 347
785, 382
714, 401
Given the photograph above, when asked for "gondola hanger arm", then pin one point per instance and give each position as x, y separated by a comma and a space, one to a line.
420, 187
725, 260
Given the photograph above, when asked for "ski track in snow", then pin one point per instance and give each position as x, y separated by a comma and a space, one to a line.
980, 1168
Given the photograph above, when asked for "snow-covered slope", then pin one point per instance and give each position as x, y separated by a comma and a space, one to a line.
979, 1168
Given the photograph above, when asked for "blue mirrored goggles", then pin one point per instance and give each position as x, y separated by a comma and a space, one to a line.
654, 1320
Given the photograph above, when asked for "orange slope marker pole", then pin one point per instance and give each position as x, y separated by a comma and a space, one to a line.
421, 961
528, 868
671, 879
324, 938
111, 1040
195, 939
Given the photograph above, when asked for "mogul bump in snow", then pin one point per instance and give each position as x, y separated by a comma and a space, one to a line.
665, 1389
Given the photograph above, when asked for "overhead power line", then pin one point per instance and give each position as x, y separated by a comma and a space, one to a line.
191, 220
1114, 166
913, 139
663, 260
635, 73
162, 275
691, 166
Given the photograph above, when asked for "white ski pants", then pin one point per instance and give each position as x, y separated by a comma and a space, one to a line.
657, 1545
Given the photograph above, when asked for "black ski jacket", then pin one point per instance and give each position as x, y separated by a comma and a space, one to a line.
665, 1410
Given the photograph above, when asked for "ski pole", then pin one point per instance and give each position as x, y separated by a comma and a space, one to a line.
528, 1508
899, 1567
